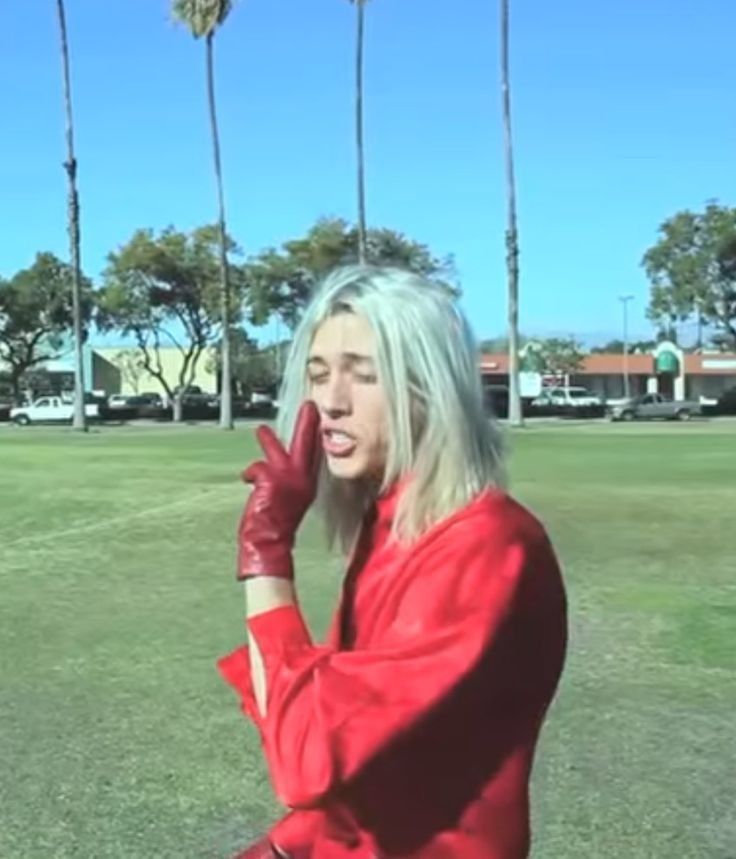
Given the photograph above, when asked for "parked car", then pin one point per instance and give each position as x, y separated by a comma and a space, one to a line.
50, 410
138, 401
727, 402
194, 398
118, 401
654, 407
496, 400
571, 396
568, 401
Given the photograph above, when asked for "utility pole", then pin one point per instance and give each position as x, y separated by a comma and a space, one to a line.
625, 299
79, 419
515, 412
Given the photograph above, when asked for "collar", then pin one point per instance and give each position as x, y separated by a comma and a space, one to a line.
388, 500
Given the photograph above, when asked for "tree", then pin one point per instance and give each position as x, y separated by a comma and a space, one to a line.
512, 237
166, 289
692, 270
492, 345
130, 364
281, 281
37, 315
561, 356
204, 18
359, 142
70, 165
616, 347
253, 368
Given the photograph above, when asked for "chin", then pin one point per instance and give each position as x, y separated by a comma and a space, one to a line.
349, 468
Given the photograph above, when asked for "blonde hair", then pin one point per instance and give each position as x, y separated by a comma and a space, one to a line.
439, 433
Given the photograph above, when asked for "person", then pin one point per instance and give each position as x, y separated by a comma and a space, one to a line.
410, 732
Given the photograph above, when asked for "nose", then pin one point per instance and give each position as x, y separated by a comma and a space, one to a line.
333, 397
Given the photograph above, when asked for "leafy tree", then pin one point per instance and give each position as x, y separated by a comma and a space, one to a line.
512, 234
165, 290
616, 347
253, 367
130, 365
37, 316
70, 165
282, 280
498, 344
560, 355
204, 18
692, 270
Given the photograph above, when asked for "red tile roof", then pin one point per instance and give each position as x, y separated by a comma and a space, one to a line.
613, 364
714, 364
610, 364
496, 363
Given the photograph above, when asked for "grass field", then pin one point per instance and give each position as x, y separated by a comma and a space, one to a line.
117, 738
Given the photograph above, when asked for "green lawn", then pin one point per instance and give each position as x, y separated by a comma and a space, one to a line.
117, 738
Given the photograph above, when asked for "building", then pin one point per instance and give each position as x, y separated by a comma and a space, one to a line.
703, 376
668, 370
119, 370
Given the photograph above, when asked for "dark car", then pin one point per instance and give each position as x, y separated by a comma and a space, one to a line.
496, 400
152, 400
727, 402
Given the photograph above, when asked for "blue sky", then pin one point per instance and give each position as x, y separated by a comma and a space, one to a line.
623, 114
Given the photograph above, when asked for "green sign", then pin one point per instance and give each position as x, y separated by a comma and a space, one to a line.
667, 362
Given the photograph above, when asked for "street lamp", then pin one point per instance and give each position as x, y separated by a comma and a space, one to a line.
625, 299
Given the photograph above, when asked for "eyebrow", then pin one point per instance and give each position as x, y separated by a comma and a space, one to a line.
348, 357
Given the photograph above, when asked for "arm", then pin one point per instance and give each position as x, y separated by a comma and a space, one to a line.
284, 487
262, 595
329, 713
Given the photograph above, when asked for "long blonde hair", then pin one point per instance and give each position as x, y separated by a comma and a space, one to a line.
439, 432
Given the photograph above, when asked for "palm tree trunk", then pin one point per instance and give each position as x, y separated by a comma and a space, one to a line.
79, 421
360, 12
226, 401
512, 238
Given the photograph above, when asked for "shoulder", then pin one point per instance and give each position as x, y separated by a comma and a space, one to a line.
493, 538
487, 561
491, 521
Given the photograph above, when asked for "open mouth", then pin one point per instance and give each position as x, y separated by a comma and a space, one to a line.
338, 443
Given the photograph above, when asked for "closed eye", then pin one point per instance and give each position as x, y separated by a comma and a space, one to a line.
318, 378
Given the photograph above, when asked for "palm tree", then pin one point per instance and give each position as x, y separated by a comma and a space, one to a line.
79, 421
512, 236
203, 18
360, 28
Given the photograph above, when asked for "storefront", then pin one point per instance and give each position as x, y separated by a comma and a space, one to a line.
668, 370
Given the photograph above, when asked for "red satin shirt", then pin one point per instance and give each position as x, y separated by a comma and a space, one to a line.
411, 731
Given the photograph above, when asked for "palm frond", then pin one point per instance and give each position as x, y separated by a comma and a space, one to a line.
202, 17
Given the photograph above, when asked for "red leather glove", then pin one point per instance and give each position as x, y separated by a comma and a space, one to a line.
284, 487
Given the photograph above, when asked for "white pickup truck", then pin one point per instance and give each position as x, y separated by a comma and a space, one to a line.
47, 410
568, 398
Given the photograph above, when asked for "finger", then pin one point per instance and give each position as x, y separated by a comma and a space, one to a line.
254, 472
272, 447
305, 446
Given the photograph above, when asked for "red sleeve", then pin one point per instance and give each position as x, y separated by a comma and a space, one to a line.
329, 712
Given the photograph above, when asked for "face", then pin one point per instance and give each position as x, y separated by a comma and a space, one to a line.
343, 382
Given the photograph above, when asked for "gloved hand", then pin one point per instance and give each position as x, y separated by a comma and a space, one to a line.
284, 487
